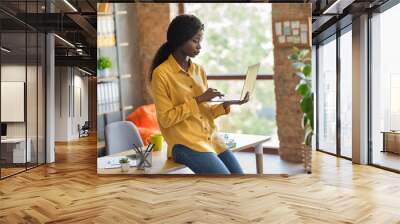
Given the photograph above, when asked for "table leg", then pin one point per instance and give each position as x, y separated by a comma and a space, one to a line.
259, 158
384, 142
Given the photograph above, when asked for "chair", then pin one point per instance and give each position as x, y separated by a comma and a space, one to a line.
121, 136
84, 129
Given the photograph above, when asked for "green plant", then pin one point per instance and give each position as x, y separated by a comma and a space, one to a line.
104, 63
302, 65
124, 160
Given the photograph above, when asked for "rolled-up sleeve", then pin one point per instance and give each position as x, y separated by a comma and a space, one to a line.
169, 114
218, 110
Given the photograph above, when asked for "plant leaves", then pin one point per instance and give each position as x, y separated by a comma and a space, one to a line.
310, 118
293, 57
302, 88
306, 104
305, 121
303, 53
307, 70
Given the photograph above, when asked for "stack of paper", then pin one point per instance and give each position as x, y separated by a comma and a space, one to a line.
112, 162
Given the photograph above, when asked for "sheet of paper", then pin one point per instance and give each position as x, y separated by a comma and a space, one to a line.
286, 28
112, 162
278, 28
296, 32
295, 24
281, 39
303, 27
303, 38
296, 39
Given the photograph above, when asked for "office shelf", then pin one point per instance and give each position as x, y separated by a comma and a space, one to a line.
120, 12
126, 76
124, 44
108, 112
128, 107
112, 95
113, 78
107, 79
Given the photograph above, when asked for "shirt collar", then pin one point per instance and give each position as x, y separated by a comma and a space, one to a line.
175, 66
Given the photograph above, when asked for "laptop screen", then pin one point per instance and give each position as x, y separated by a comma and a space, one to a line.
250, 82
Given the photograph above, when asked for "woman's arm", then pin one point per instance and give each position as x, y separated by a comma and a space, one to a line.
167, 113
216, 109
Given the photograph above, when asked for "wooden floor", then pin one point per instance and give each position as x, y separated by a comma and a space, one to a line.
69, 191
387, 159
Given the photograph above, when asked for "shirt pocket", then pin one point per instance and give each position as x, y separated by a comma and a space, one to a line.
199, 83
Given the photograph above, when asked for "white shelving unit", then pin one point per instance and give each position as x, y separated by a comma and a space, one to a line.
107, 85
110, 98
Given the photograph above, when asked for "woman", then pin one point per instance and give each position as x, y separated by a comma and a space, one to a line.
181, 97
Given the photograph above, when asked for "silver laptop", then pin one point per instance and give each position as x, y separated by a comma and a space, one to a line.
248, 86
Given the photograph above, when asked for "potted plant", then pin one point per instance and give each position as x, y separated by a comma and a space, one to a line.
302, 64
124, 164
104, 65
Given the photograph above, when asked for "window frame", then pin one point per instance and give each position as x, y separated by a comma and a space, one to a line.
334, 37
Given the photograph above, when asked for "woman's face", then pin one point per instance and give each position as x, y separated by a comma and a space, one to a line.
192, 47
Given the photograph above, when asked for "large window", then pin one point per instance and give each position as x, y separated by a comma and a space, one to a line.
346, 94
385, 89
237, 35
327, 96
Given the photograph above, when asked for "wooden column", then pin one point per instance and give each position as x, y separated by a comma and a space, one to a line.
153, 20
288, 114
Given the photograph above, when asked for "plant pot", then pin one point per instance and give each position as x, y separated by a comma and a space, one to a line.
124, 167
307, 158
104, 72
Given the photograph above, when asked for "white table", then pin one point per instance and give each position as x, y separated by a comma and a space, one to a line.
162, 165
19, 155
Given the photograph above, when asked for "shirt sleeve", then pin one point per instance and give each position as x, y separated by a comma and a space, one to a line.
169, 114
216, 109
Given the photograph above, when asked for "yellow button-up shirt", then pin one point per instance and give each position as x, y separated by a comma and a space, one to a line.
182, 120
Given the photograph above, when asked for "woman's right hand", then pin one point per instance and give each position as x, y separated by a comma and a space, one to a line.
208, 95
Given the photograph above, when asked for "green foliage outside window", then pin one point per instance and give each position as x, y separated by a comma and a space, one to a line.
237, 35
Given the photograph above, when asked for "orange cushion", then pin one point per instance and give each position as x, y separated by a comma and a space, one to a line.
145, 134
145, 119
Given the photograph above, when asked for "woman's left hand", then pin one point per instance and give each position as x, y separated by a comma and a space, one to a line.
237, 102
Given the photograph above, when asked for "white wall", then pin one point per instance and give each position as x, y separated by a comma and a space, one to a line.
13, 73
61, 103
33, 127
69, 85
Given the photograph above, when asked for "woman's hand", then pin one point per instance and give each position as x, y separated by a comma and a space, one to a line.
208, 95
237, 102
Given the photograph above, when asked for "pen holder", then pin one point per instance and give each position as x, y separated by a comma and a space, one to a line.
143, 160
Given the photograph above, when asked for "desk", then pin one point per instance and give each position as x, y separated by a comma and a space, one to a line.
162, 165
18, 151
391, 141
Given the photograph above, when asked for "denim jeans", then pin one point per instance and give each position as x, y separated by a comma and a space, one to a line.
207, 162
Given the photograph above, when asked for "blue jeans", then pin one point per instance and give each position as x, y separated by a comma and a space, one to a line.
207, 162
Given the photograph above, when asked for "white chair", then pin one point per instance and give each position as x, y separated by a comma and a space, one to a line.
121, 136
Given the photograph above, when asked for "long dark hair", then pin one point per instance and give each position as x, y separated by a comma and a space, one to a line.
181, 29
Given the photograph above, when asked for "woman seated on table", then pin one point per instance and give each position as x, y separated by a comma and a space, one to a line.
181, 97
